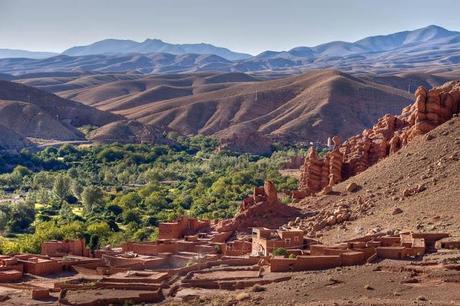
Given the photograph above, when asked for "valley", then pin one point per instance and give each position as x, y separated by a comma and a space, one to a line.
140, 171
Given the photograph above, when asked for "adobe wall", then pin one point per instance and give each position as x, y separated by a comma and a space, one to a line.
305, 263
396, 252
450, 244
7, 276
41, 267
237, 248
67, 247
181, 227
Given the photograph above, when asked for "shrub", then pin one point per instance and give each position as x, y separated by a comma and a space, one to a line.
279, 252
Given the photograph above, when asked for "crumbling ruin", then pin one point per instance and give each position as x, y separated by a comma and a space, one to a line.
262, 208
430, 109
193, 253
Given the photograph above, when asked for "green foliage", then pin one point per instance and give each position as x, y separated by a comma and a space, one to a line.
61, 187
280, 252
122, 192
91, 197
94, 242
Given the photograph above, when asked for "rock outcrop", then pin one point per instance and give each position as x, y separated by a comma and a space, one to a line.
262, 208
430, 109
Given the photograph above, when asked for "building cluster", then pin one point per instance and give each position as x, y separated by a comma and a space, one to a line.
194, 253
189, 253
391, 133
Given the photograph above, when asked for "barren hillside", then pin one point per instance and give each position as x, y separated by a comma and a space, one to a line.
430, 165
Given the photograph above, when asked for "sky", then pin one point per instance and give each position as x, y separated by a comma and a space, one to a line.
250, 26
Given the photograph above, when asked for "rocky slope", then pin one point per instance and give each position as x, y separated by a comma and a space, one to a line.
415, 189
391, 133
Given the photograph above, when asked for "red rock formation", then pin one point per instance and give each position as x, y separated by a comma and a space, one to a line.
431, 108
261, 209
319, 173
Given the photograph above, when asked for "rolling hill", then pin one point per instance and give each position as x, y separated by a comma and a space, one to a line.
11, 141
309, 107
27, 112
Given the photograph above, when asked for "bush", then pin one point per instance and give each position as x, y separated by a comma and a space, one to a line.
280, 252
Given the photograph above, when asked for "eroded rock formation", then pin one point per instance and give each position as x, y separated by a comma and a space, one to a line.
262, 208
430, 109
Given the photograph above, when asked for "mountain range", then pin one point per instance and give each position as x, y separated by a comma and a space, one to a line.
248, 104
432, 48
116, 46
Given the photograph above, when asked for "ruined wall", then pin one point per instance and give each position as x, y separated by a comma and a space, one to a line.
181, 227
63, 248
305, 263
41, 266
430, 109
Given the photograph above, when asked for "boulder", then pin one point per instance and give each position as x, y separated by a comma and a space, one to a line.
352, 187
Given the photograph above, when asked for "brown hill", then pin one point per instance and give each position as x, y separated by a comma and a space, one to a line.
30, 120
71, 112
127, 131
310, 107
11, 141
429, 166
34, 113
238, 108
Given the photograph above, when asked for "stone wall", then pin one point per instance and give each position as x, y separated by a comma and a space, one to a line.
430, 109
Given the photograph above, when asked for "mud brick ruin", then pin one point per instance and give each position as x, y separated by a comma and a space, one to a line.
192, 253
430, 109
264, 240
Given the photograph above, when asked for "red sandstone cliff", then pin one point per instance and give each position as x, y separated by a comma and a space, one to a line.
430, 109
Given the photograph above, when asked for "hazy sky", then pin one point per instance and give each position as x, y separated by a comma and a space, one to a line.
242, 25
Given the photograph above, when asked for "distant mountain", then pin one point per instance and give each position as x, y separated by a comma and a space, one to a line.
431, 49
13, 53
143, 63
116, 46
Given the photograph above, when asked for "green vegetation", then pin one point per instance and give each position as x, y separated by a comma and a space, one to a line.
280, 252
112, 193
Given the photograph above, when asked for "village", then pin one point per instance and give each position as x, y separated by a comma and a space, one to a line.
228, 255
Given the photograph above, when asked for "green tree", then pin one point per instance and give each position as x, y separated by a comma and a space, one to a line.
61, 187
91, 197
101, 229
94, 242
22, 216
